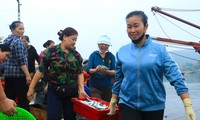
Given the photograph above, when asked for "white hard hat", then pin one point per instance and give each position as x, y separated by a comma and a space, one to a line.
104, 39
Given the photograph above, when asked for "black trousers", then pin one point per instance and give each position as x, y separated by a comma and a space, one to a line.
128, 113
56, 106
17, 88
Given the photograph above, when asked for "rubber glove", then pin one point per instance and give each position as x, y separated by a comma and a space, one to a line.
113, 103
189, 112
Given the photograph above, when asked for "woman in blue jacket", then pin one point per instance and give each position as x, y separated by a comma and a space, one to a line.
140, 67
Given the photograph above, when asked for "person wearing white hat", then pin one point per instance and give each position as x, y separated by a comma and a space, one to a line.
101, 65
104, 39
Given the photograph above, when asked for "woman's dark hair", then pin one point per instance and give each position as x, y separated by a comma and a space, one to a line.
26, 38
5, 48
14, 25
138, 13
47, 43
69, 31
85, 62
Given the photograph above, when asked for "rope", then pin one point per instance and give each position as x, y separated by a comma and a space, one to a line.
161, 26
184, 56
176, 26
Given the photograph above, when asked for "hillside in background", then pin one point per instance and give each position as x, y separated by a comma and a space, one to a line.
183, 57
189, 64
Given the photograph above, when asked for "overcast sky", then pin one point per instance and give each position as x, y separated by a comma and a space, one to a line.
91, 18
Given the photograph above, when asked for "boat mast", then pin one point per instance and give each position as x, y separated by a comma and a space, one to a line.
195, 45
157, 9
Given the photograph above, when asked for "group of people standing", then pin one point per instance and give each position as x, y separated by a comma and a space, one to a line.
133, 79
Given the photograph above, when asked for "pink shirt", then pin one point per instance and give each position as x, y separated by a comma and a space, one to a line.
42, 54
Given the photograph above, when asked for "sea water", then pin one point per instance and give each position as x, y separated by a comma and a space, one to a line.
174, 106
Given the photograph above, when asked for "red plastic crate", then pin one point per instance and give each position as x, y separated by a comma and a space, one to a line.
92, 113
3, 83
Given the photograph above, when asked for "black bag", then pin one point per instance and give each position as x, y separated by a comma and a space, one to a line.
40, 86
40, 94
40, 98
65, 91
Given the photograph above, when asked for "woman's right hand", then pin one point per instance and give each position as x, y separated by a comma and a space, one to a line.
30, 94
98, 68
112, 105
7, 106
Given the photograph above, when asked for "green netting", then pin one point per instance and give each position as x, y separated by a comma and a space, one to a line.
21, 115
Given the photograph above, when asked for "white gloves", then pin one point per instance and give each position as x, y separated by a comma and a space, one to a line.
189, 112
113, 103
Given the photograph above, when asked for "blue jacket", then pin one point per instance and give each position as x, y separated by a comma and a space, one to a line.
139, 76
98, 80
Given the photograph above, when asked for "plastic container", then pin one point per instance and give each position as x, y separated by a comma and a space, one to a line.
92, 113
21, 115
3, 83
